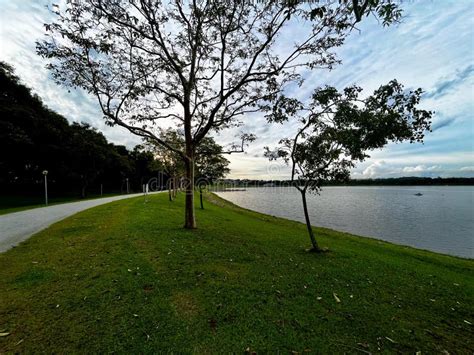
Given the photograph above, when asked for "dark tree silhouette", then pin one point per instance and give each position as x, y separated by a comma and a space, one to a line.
34, 138
338, 129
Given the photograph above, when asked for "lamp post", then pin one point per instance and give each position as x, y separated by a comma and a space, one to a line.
127, 185
45, 173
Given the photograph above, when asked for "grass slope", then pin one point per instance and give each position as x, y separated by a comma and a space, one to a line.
125, 277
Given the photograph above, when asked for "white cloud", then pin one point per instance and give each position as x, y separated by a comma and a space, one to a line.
420, 168
375, 169
384, 169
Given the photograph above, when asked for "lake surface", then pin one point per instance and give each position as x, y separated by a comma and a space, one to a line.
441, 220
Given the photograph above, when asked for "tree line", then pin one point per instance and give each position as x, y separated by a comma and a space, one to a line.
401, 181
79, 159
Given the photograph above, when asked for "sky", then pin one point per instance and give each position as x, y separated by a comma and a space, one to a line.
433, 48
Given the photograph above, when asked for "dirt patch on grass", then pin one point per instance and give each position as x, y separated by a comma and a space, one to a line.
184, 305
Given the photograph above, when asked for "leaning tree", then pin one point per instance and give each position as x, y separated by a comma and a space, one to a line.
200, 65
337, 129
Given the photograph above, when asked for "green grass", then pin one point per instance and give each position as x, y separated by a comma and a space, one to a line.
125, 277
10, 204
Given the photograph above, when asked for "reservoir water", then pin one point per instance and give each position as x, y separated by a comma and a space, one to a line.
436, 218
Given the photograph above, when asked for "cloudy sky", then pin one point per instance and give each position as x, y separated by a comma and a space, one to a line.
433, 48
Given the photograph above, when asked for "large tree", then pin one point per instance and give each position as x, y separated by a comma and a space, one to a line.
198, 65
338, 128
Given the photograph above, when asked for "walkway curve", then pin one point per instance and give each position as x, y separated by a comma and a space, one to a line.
19, 226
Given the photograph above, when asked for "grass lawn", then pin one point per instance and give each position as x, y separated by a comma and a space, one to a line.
125, 277
10, 204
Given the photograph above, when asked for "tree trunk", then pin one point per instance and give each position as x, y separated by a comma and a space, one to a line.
169, 189
200, 197
175, 186
308, 222
189, 217
83, 190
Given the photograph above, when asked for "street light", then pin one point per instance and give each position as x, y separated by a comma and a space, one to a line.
127, 185
45, 173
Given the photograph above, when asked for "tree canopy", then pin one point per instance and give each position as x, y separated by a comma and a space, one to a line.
338, 128
78, 158
210, 163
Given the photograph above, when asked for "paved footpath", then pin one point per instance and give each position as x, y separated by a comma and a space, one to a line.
19, 226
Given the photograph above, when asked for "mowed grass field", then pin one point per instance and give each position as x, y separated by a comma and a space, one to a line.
127, 278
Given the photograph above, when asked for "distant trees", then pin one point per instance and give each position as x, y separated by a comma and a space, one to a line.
171, 162
337, 129
210, 163
88, 154
198, 66
30, 134
401, 181
34, 138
